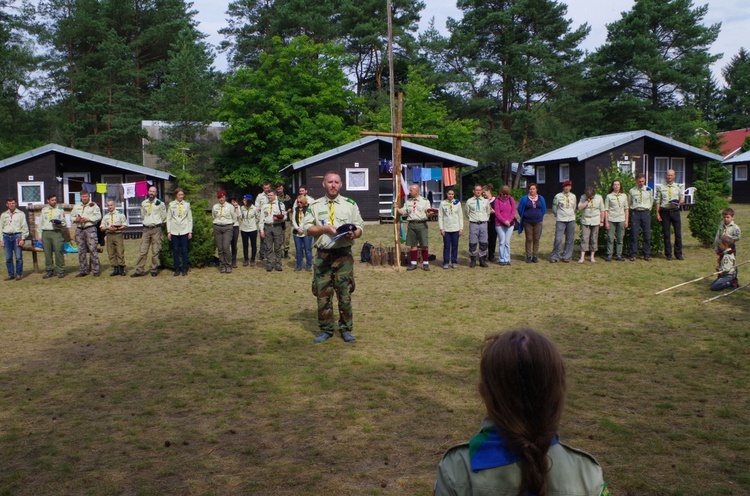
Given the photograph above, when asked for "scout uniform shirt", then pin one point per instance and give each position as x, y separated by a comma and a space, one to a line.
592, 214
50, 214
450, 216
641, 198
415, 209
728, 265
89, 210
267, 212
248, 218
478, 209
153, 213
336, 212
615, 205
14, 223
223, 214
669, 196
261, 200
113, 219
179, 218
564, 207
732, 230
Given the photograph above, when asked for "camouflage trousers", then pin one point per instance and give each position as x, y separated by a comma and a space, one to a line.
88, 242
333, 272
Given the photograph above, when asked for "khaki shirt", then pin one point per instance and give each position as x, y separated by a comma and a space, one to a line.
261, 200
415, 209
564, 207
90, 210
728, 265
345, 211
48, 215
593, 213
267, 212
223, 214
666, 194
572, 472
732, 230
616, 205
450, 216
113, 219
309, 199
249, 218
179, 218
641, 199
14, 223
478, 209
153, 213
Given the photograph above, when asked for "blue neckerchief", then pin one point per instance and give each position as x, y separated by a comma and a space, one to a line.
488, 450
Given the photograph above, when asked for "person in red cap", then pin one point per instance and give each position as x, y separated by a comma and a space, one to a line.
564, 208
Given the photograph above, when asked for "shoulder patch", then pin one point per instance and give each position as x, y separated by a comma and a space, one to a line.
351, 201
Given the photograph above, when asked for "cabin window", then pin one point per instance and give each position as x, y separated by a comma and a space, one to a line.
357, 179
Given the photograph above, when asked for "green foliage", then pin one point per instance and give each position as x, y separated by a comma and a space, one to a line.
734, 109
705, 214
293, 106
423, 114
655, 62
201, 247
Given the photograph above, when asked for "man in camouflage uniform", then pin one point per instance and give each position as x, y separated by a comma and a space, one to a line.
334, 265
52, 222
287, 201
85, 216
113, 224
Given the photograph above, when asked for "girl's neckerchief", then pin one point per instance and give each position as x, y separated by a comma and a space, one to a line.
488, 450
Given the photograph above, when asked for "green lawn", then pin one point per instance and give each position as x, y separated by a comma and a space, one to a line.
210, 384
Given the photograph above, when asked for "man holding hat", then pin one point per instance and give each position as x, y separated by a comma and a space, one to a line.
53, 220
334, 221
564, 207
86, 215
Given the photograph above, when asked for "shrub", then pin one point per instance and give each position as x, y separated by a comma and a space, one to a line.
705, 213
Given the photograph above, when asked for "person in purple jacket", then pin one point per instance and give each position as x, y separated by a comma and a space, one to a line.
505, 221
531, 210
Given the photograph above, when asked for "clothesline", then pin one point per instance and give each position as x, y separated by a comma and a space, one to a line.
445, 174
117, 191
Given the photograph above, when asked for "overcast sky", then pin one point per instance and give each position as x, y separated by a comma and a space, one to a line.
734, 16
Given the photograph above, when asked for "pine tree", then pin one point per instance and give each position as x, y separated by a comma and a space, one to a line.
734, 108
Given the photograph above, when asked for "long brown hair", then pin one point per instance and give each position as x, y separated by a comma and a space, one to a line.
523, 387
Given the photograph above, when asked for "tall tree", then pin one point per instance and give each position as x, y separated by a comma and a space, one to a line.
734, 108
654, 65
508, 58
293, 105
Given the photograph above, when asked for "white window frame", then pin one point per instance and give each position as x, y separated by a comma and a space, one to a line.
22, 184
366, 172
566, 176
541, 174
627, 166
661, 166
740, 176
677, 164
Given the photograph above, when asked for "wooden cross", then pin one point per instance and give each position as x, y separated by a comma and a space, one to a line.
397, 136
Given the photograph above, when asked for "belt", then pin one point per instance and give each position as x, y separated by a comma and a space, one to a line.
221, 225
641, 209
11, 234
154, 225
417, 222
335, 250
84, 228
477, 222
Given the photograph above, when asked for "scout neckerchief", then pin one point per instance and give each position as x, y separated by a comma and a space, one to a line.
477, 204
331, 217
488, 450
669, 191
150, 206
567, 200
414, 205
617, 197
50, 212
179, 209
111, 218
591, 203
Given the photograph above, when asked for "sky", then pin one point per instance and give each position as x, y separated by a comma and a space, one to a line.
734, 16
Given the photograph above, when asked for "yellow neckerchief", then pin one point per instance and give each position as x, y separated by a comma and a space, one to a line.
567, 200
591, 203
669, 190
50, 212
640, 193
150, 206
617, 197
111, 218
331, 212
179, 209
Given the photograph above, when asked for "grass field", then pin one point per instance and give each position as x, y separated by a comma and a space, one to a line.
210, 384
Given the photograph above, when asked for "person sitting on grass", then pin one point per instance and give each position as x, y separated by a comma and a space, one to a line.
727, 265
517, 452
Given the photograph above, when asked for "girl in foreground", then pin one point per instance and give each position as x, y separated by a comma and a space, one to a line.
517, 452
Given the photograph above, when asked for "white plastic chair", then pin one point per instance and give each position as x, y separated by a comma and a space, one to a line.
689, 196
